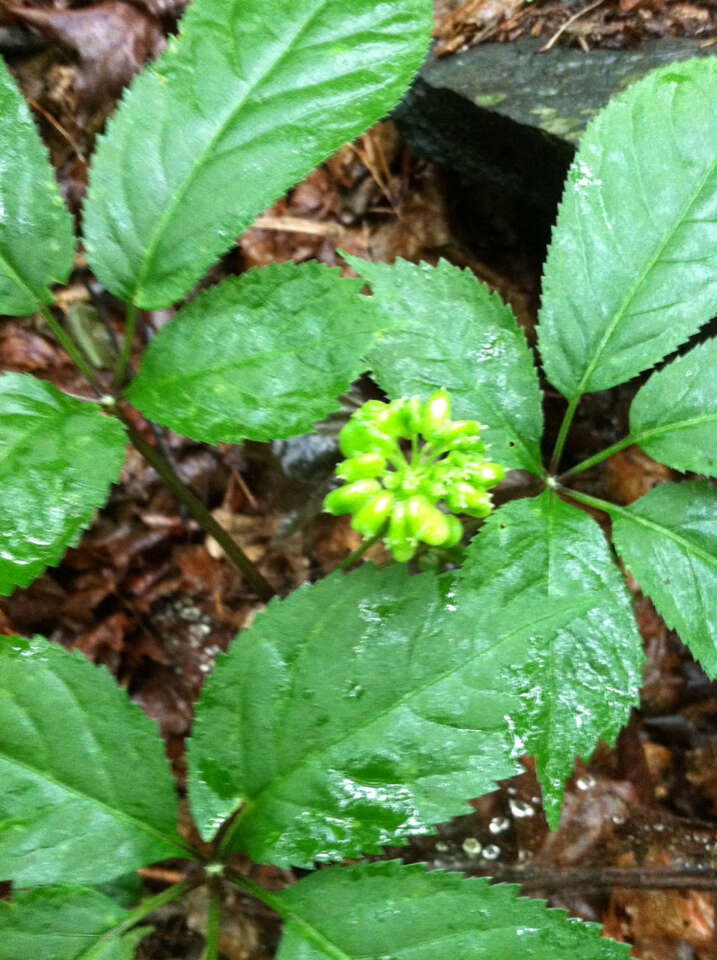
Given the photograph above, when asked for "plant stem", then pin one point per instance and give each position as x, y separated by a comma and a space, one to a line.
211, 948
627, 441
601, 878
206, 521
354, 557
147, 906
594, 502
563, 434
278, 905
70, 347
123, 359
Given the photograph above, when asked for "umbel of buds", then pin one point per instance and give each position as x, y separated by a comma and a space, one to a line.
409, 468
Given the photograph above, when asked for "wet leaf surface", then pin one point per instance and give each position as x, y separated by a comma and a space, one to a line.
129, 593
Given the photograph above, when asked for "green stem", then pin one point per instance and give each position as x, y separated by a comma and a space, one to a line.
594, 502
359, 552
211, 948
563, 434
627, 441
277, 904
147, 906
123, 359
206, 521
70, 347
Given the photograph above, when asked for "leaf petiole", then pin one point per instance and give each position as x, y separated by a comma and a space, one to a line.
275, 902
211, 948
563, 434
69, 346
123, 359
145, 908
627, 441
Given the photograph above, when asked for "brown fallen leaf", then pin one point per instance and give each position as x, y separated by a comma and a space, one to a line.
631, 474
113, 41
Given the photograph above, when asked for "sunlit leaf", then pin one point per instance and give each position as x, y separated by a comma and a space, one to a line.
674, 416
262, 356
444, 329
668, 540
630, 272
87, 794
64, 923
58, 457
347, 717
388, 910
36, 238
543, 570
250, 97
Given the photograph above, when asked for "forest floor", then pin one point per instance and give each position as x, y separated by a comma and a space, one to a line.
146, 594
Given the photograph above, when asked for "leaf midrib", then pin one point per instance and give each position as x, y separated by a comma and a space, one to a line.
370, 720
114, 811
250, 359
639, 281
42, 426
189, 180
673, 427
12, 274
689, 546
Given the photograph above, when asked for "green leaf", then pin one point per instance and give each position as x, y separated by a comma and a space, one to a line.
668, 540
631, 270
674, 416
64, 923
544, 571
58, 457
262, 356
396, 912
444, 329
126, 890
347, 717
87, 793
250, 98
37, 243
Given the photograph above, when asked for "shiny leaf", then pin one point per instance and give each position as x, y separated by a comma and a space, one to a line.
262, 356
630, 273
36, 239
64, 923
347, 717
544, 571
444, 329
389, 910
247, 101
58, 457
668, 540
674, 416
87, 794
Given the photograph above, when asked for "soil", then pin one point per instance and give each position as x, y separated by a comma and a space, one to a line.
146, 594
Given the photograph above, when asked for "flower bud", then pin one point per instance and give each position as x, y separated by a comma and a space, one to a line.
357, 437
435, 413
411, 414
391, 421
373, 514
350, 498
426, 521
489, 473
362, 466
399, 538
455, 531
459, 433
464, 498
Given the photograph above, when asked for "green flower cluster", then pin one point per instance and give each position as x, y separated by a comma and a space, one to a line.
386, 488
